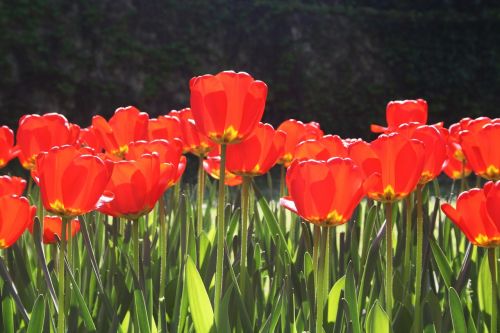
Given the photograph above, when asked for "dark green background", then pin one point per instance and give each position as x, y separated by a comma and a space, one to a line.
336, 62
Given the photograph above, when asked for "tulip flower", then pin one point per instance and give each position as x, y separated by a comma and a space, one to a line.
52, 227
477, 214
296, 132
126, 125
258, 153
37, 134
195, 142
321, 149
164, 127
228, 106
401, 112
16, 215
7, 149
12, 185
90, 138
72, 180
434, 148
168, 152
482, 151
324, 192
137, 186
212, 166
394, 164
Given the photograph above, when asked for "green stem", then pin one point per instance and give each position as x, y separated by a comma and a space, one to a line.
320, 287
201, 190
316, 238
163, 262
388, 260
244, 231
407, 259
418, 276
282, 219
62, 284
135, 245
493, 266
220, 236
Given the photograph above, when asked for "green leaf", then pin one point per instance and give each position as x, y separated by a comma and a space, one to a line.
199, 303
484, 286
7, 314
87, 317
140, 312
377, 319
350, 297
333, 299
457, 314
442, 263
37, 318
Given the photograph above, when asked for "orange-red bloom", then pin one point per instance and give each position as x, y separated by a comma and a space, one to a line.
168, 152
12, 185
481, 149
324, 192
127, 125
38, 134
16, 215
195, 142
227, 107
7, 149
477, 214
434, 148
164, 127
257, 154
72, 180
401, 112
296, 132
52, 227
393, 164
137, 186
211, 164
321, 148
90, 138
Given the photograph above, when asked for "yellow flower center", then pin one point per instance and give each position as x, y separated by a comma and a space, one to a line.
3, 245
456, 174
2, 163
389, 195
286, 159
30, 162
425, 177
459, 155
491, 173
230, 135
485, 241
120, 152
57, 207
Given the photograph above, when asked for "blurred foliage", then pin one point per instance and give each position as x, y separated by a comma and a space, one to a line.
336, 62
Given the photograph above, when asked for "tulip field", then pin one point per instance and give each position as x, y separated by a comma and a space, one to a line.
281, 229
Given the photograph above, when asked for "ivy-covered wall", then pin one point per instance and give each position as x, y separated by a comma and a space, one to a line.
336, 62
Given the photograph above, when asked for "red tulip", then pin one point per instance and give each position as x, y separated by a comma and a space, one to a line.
401, 112
296, 132
127, 125
72, 180
393, 164
138, 185
89, 137
12, 186
477, 214
211, 164
168, 152
164, 127
227, 107
258, 153
434, 148
16, 215
322, 148
38, 134
324, 192
195, 142
481, 149
52, 227
455, 169
7, 149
